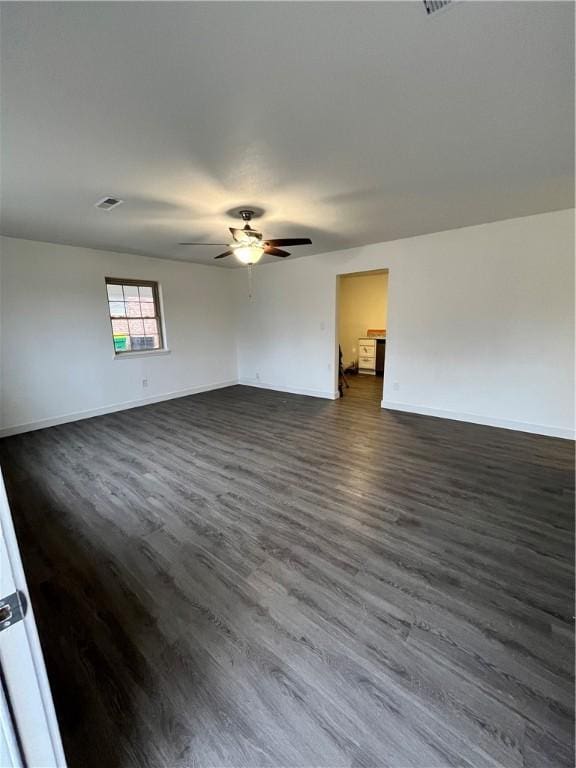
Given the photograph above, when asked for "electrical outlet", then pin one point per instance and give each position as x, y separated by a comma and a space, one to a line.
257, 377
395, 386
144, 383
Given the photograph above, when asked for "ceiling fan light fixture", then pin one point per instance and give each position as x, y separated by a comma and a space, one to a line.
249, 254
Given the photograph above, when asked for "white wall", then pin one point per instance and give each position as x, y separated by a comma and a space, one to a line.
362, 305
480, 323
57, 359
480, 327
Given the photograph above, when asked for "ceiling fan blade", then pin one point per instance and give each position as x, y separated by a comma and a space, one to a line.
222, 255
275, 252
203, 244
290, 241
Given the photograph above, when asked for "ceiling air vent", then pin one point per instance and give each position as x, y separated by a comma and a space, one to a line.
435, 5
107, 203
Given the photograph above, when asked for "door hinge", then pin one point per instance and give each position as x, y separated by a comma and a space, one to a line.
12, 609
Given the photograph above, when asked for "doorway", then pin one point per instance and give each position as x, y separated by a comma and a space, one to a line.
362, 315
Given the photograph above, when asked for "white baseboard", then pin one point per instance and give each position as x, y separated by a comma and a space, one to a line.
326, 395
538, 429
519, 426
126, 405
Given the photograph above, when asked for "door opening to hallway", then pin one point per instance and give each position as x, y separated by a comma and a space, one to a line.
361, 330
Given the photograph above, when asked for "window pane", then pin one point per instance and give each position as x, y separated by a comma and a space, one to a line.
150, 327
122, 344
117, 309
133, 309
144, 342
131, 293
147, 308
115, 292
136, 327
120, 326
146, 293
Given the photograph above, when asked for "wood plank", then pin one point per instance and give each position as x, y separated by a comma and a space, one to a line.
249, 578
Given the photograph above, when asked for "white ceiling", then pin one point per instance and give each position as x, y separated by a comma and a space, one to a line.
350, 122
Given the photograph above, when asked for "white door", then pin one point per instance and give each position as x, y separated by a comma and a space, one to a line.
29, 734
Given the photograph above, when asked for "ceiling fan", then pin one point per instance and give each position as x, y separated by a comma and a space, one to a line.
249, 247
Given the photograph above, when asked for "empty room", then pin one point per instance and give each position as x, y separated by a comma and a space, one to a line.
287, 384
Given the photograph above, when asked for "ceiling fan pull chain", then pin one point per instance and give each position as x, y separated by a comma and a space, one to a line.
250, 281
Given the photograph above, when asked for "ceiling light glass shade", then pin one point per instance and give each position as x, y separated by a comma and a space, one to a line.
249, 254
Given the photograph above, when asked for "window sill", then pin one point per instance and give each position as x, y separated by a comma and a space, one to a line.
144, 353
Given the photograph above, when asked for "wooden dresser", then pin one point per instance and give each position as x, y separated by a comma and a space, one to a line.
366, 355
371, 354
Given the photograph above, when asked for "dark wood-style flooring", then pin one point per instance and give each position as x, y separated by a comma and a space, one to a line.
249, 578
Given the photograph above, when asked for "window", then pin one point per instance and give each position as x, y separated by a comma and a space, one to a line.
135, 315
